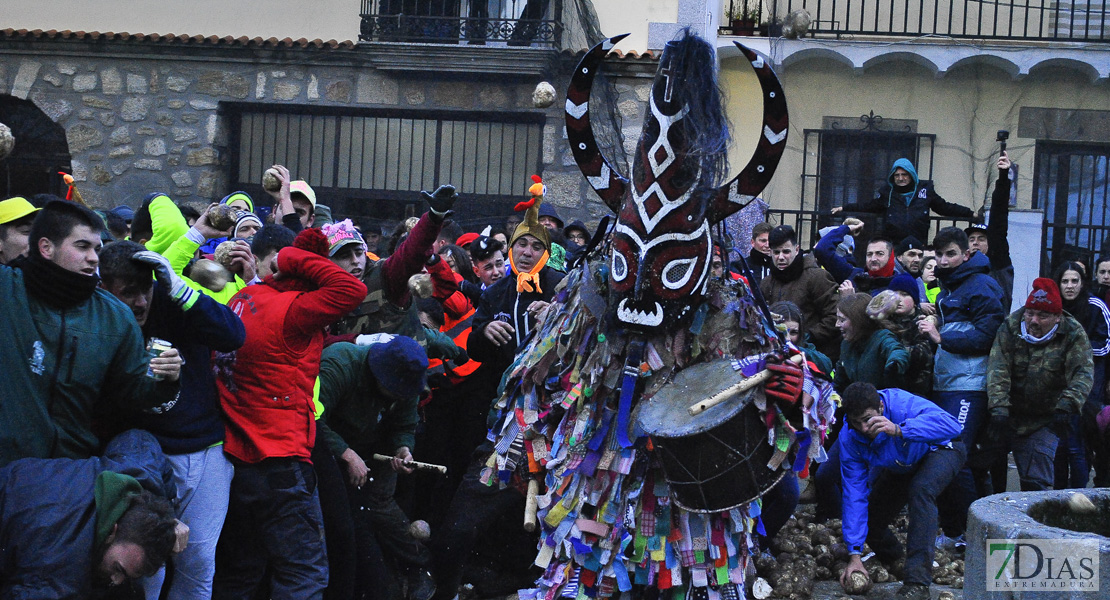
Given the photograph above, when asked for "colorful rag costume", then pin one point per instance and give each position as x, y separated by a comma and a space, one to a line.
635, 312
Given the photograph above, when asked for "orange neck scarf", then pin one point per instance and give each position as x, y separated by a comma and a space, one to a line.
530, 281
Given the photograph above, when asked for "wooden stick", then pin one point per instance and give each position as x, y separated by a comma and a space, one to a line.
419, 466
531, 505
738, 388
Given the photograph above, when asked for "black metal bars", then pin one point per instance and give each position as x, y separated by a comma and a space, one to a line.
534, 23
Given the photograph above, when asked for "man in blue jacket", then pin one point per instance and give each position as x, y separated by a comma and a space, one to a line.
70, 527
969, 312
190, 428
900, 448
879, 260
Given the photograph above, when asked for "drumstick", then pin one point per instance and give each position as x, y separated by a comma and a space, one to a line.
419, 466
743, 386
530, 506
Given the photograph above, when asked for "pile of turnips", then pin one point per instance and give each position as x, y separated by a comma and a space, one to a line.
805, 552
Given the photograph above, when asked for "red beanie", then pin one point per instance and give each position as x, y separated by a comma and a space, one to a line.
312, 240
1045, 296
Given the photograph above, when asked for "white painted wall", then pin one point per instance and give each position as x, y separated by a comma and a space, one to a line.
1025, 235
311, 19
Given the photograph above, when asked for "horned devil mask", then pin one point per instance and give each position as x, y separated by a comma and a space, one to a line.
661, 243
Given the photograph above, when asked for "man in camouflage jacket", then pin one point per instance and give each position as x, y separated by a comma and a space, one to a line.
1039, 375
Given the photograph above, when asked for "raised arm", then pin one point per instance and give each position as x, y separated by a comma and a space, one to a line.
998, 244
948, 209
337, 291
827, 257
409, 257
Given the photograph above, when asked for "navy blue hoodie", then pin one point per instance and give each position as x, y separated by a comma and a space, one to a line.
194, 421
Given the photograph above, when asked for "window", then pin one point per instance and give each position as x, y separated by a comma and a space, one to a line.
369, 162
849, 159
1071, 185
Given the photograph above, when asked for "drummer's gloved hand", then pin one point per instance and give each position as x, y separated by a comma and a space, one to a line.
786, 381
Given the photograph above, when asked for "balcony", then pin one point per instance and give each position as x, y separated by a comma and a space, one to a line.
516, 23
508, 38
1031, 20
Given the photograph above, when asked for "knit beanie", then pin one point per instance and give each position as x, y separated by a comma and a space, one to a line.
1045, 297
245, 197
246, 218
910, 243
312, 240
904, 282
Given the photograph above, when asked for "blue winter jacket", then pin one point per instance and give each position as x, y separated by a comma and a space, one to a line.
48, 515
925, 427
970, 312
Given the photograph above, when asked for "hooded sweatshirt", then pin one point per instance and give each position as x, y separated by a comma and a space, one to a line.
906, 211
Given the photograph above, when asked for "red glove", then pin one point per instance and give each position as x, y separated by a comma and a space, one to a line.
785, 383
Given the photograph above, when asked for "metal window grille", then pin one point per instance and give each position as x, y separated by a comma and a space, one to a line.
374, 162
847, 161
1071, 184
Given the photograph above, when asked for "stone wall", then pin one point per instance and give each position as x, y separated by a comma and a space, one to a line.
150, 121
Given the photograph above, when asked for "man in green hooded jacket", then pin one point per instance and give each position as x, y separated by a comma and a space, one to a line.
73, 354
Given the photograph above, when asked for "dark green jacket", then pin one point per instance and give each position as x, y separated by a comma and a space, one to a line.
880, 360
1029, 383
355, 415
63, 369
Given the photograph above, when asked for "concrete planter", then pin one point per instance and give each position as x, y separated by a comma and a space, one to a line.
1035, 515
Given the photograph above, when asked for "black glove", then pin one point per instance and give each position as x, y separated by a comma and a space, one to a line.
441, 200
1061, 424
998, 430
461, 358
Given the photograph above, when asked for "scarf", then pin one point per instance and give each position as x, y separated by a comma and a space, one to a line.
52, 285
904, 191
1037, 341
886, 270
530, 281
792, 271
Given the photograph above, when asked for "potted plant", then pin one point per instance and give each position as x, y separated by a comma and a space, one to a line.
741, 19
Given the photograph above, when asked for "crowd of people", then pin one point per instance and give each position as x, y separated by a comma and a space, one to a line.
245, 404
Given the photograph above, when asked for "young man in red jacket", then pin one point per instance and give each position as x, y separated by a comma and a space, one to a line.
266, 389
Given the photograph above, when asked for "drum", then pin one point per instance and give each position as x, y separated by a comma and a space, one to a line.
716, 460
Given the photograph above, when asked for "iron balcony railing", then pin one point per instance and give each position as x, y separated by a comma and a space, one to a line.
535, 23
1046, 20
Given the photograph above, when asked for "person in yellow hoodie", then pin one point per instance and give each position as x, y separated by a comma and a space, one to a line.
159, 225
